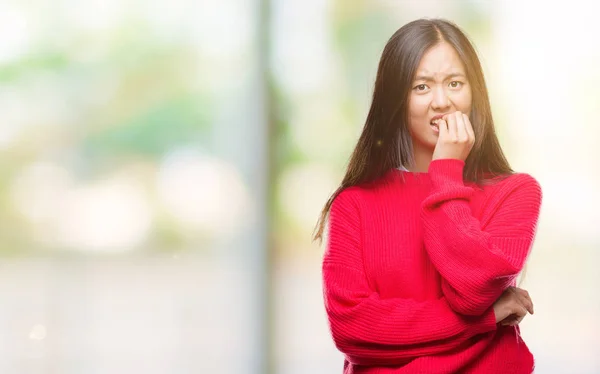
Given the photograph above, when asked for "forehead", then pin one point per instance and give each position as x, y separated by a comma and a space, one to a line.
440, 59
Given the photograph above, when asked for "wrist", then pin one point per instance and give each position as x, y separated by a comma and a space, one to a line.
446, 171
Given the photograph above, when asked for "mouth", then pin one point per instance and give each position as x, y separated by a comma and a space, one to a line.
434, 123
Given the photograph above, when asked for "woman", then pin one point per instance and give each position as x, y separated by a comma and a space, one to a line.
430, 226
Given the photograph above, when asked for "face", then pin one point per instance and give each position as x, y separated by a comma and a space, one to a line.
440, 87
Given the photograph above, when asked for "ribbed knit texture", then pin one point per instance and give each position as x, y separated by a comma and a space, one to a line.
413, 264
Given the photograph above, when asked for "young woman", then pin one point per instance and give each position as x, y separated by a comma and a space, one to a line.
430, 226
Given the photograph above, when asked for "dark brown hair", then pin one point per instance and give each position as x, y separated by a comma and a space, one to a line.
385, 142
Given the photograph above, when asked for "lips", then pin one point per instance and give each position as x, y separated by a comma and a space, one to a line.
436, 118
434, 121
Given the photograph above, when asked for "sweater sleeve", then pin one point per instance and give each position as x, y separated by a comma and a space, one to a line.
371, 330
478, 260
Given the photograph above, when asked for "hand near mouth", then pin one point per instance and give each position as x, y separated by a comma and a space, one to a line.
456, 136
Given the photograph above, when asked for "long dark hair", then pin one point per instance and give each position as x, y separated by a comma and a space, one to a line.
385, 142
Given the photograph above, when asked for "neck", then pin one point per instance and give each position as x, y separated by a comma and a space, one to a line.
422, 160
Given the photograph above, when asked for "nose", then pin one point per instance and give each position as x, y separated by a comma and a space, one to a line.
440, 99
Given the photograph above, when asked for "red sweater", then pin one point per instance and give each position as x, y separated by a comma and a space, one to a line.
413, 266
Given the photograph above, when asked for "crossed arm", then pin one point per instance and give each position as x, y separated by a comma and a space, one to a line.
477, 259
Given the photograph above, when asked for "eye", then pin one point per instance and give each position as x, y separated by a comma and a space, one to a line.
455, 84
421, 87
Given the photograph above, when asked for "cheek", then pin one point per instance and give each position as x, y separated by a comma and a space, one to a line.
418, 106
465, 102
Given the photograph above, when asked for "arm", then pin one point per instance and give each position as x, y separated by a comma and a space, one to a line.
478, 260
370, 330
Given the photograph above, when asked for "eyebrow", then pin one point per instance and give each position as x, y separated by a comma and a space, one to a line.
430, 79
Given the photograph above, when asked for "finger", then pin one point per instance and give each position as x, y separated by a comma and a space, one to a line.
508, 320
519, 310
461, 130
469, 128
527, 303
526, 299
516, 320
443, 128
512, 320
518, 295
452, 133
528, 296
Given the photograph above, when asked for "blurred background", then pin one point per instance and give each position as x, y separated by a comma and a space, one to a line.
163, 164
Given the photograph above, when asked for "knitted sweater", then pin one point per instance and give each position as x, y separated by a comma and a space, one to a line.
414, 263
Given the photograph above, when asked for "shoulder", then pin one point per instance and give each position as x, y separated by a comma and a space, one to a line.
520, 183
517, 192
347, 197
344, 215
367, 194
348, 200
